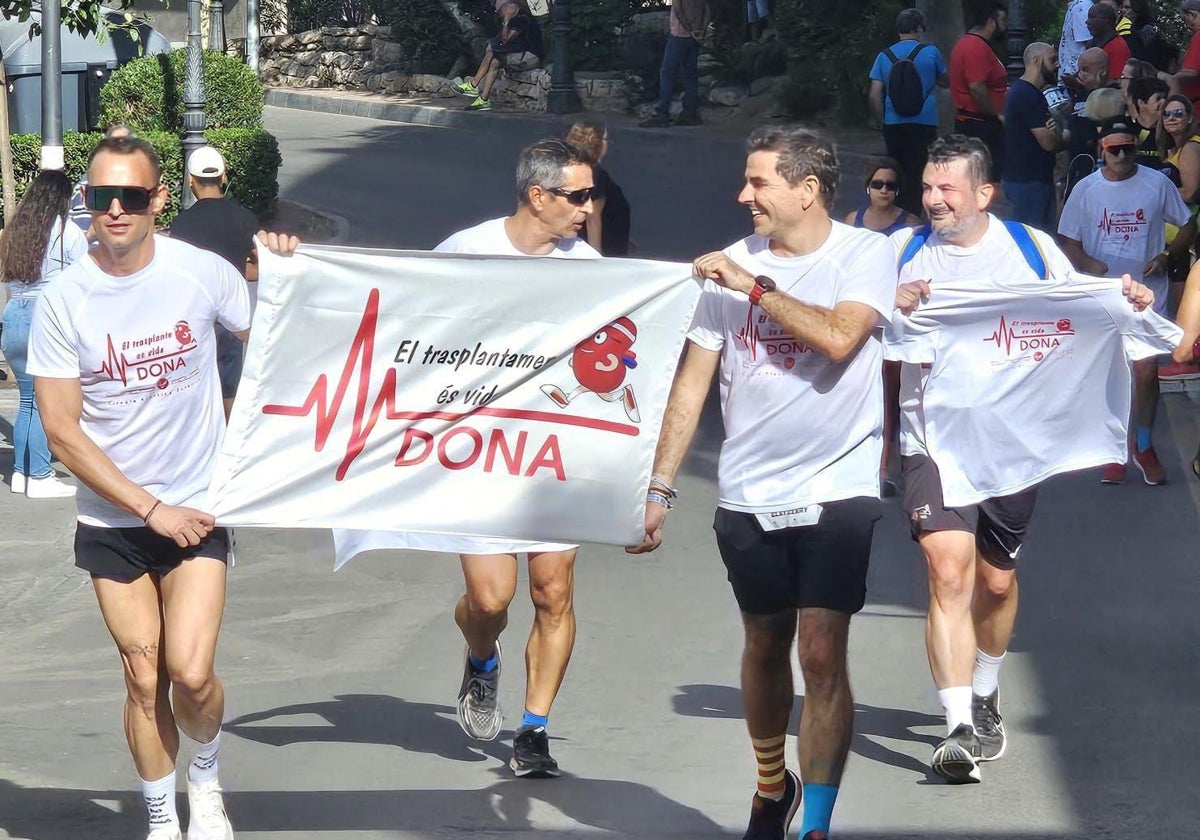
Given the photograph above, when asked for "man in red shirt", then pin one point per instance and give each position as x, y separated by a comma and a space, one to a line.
1102, 23
978, 82
1187, 80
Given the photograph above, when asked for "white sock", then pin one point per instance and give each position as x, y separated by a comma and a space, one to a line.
957, 703
159, 796
987, 672
204, 766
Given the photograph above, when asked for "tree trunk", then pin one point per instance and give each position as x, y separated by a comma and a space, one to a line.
943, 26
6, 160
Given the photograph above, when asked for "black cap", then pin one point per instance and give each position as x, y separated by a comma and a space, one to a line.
1118, 125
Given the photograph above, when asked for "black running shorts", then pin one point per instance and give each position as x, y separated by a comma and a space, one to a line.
822, 565
1000, 525
125, 554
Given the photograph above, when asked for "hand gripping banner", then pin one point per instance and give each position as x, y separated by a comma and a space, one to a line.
440, 394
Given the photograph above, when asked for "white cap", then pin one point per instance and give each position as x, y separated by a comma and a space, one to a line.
206, 162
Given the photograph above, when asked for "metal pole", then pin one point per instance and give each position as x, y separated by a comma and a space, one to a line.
193, 96
1018, 38
216, 26
562, 99
252, 35
52, 145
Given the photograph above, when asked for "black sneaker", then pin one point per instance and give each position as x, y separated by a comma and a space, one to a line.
656, 121
769, 820
531, 755
956, 758
989, 726
688, 119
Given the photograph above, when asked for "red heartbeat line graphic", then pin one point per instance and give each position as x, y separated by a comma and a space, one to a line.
1003, 336
1107, 221
116, 364
360, 357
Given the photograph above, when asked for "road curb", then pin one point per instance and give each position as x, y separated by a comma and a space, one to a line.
402, 112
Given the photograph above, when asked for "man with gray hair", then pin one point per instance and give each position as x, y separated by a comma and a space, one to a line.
789, 316
555, 191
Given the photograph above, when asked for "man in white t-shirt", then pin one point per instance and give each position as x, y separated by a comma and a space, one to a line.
124, 357
789, 320
1114, 222
970, 549
555, 191
1075, 37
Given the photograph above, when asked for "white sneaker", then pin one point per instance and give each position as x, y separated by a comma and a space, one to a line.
209, 821
50, 487
17, 484
165, 833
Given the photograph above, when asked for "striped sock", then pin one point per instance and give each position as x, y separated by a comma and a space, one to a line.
768, 752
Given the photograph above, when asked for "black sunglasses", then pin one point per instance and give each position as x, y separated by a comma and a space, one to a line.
1121, 149
132, 199
577, 197
884, 185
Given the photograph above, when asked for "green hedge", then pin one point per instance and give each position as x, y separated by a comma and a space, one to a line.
147, 94
252, 154
428, 34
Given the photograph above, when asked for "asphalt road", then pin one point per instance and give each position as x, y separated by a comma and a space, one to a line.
341, 686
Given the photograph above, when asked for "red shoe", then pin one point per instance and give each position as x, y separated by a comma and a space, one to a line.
1178, 371
1113, 474
1152, 469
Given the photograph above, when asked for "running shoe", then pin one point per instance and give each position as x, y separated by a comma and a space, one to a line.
1113, 474
165, 833
769, 820
467, 89
989, 726
1152, 469
480, 104
656, 121
688, 119
1178, 371
209, 820
478, 706
956, 758
531, 755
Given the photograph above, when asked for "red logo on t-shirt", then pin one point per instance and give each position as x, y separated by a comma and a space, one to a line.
1026, 336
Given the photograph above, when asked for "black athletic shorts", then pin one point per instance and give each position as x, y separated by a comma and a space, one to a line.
125, 554
999, 525
822, 565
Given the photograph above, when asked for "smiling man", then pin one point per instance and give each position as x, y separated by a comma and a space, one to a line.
789, 318
124, 358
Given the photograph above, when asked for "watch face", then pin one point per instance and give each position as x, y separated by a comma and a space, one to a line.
765, 283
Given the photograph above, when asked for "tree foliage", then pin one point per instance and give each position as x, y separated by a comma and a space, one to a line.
83, 17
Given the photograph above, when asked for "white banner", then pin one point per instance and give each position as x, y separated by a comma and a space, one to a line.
483, 396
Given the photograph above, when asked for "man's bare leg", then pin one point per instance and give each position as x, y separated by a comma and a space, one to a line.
552, 637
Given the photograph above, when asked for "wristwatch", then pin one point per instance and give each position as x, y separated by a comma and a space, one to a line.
762, 285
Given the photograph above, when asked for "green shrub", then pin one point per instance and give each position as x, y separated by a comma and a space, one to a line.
428, 33
745, 63
802, 97
304, 15
596, 33
252, 155
147, 93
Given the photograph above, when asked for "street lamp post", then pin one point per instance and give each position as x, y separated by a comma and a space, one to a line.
1018, 37
52, 156
252, 35
216, 26
193, 96
563, 98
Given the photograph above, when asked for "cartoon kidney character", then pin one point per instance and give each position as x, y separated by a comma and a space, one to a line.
183, 333
599, 364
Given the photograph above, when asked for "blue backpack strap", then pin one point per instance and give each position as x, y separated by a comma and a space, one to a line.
1030, 250
914, 244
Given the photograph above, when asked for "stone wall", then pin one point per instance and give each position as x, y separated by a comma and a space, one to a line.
365, 58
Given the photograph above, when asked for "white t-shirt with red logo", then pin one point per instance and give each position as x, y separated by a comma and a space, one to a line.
799, 429
1027, 378
1123, 223
144, 351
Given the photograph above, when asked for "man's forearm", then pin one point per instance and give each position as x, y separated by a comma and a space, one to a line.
829, 333
682, 415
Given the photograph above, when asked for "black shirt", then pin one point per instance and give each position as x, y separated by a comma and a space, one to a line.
1024, 158
614, 220
220, 225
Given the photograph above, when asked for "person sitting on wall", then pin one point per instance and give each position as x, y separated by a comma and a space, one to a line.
518, 46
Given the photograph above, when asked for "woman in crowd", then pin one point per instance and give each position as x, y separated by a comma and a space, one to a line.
38, 244
1180, 144
1144, 101
607, 227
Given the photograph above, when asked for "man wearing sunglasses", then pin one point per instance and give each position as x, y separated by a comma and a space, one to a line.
1112, 224
124, 354
555, 191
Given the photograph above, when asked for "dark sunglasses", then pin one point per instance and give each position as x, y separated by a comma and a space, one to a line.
577, 197
1174, 114
132, 199
884, 185
1121, 149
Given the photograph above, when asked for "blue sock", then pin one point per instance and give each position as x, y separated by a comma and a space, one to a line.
818, 807
1143, 438
531, 721
484, 666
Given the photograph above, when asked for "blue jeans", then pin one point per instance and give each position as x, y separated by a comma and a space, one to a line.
679, 61
31, 451
1033, 203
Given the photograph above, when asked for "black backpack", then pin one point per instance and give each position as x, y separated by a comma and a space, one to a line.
904, 86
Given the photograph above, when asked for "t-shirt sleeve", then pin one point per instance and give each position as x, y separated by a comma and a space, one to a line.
1143, 334
708, 329
233, 297
1174, 210
74, 242
910, 338
879, 70
1070, 224
1057, 264
52, 349
871, 277
940, 63
1079, 29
